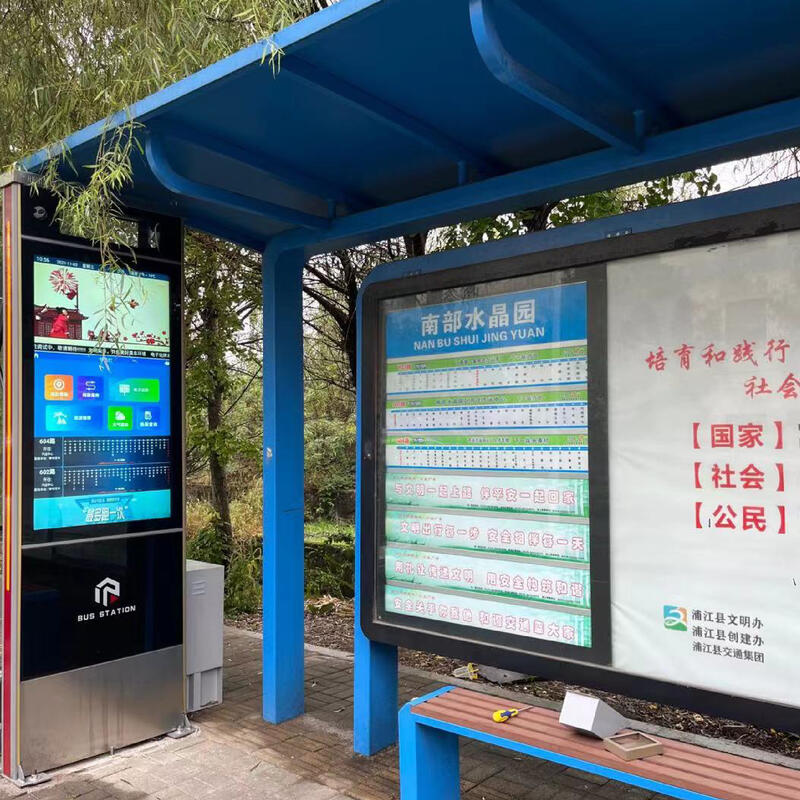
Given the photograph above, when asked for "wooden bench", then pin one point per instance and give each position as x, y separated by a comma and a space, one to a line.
430, 727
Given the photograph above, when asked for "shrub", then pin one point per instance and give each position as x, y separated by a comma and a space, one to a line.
329, 468
330, 560
243, 582
206, 544
199, 514
329, 552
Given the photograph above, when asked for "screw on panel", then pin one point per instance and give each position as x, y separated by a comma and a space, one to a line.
620, 232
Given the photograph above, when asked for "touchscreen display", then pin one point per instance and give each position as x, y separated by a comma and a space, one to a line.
101, 395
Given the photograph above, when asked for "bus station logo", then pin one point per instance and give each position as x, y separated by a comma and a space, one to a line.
106, 592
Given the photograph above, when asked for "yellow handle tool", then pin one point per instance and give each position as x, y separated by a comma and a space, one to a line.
504, 714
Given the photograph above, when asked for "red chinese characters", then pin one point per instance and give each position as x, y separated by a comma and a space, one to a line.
726, 509
776, 350
745, 518
745, 353
657, 360
684, 353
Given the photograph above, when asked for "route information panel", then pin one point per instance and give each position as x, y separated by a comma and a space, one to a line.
101, 387
486, 460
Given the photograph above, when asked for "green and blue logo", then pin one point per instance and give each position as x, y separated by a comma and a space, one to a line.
676, 618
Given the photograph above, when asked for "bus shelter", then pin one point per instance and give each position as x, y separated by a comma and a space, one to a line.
387, 117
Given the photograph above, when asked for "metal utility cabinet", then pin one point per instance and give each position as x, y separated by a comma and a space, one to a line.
205, 584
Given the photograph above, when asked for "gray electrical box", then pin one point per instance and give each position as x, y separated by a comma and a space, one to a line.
205, 592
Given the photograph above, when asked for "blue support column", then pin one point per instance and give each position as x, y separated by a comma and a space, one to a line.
428, 761
283, 485
375, 664
374, 692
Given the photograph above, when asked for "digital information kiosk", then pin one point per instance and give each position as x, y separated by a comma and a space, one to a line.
93, 545
585, 464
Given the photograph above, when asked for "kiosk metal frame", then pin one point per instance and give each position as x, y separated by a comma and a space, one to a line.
68, 694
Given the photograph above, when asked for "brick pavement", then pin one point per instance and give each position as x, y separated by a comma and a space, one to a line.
236, 755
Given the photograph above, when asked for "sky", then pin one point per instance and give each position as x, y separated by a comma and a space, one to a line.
758, 170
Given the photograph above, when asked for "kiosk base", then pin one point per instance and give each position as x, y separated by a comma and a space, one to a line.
86, 712
26, 781
183, 730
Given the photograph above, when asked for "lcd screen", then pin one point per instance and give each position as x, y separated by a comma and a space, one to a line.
101, 383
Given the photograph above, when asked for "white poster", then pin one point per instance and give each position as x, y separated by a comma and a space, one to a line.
704, 450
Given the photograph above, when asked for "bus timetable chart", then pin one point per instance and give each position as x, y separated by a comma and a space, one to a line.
530, 366
99, 451
487, 457
512, 409
544, 452
511, 535
82, 480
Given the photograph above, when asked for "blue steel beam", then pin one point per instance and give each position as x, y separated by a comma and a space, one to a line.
387, 113
581, 112
273, 167
214, 226
374, 663
228, 232
166, 175
739, 135
576, 49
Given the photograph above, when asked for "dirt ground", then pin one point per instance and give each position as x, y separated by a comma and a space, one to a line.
329, 623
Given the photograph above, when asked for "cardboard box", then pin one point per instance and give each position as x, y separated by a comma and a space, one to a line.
633, 745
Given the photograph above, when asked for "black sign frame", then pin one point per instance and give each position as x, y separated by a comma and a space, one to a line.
575, 257
373, 568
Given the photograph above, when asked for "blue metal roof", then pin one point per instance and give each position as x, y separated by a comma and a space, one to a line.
390, 115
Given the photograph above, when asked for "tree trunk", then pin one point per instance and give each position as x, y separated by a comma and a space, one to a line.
415, 244
535, 217
220, 493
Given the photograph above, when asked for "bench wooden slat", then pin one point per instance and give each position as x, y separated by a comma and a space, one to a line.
540, 734
539, 722
720, 775
674, 776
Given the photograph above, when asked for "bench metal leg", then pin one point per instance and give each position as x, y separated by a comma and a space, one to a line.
428, 761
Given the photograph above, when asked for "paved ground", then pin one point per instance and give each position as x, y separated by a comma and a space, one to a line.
237, 755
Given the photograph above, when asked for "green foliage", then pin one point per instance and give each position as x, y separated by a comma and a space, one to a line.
243, 582
330, 468
330, 430
329, 552
205, 542
478, 231
222, 305
207, 545
330, 560
649, 194
327, 530
68, 63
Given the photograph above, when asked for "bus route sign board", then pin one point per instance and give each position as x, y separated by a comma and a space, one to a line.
587, 466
